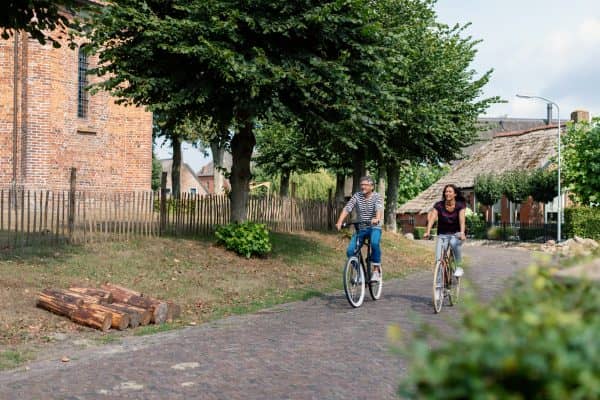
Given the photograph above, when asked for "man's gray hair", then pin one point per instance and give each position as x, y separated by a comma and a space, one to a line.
367, 179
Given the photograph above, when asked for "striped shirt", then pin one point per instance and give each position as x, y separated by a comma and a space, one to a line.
367, 208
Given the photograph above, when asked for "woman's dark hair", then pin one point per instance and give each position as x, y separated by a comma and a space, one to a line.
459, 195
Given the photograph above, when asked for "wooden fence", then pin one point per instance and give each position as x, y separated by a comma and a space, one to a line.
30, 217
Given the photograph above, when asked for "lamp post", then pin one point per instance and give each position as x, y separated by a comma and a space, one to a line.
559, 220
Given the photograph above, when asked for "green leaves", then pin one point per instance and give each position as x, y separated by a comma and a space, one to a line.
539, 341
581, 161
246, 239
488, 189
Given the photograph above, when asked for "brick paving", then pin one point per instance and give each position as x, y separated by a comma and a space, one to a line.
315, 349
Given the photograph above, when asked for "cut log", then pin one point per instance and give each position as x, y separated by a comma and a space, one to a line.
85, 298
121, 290
119, 319
145, 316
135, 316
121, 294
104, 295
90, 317
173, 311
58, 302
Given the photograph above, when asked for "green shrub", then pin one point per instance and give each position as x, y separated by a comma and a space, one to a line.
501, 232
540, 341
583, 222
476, 226
420, 231
246, 239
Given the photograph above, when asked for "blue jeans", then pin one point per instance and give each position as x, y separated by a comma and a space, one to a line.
374, 234
455, 243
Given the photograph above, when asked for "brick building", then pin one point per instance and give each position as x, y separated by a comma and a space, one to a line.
190, 183
50, 123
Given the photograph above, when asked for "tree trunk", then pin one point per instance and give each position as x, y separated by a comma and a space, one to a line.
242, 146
391, 197
358, 170
284, 184
340, 185
217, 154
176, 167
381, 181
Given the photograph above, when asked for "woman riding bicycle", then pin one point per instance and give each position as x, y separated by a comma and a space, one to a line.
370, 214
450, 214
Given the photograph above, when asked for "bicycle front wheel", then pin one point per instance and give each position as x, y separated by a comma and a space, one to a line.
438, 286
354, 282
376, 287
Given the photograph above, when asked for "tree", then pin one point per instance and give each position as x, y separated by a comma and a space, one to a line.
432, 95
543, 185
488, 189
581, 161
45, 21
416, 177
283, 149
234, 61
156, 173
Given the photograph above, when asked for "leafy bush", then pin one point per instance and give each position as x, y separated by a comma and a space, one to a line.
581, 156
583, 222
476, 226
246, 239
420, 231
501, 232
540, 341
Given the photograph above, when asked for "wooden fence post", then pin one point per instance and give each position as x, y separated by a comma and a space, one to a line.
330, 209
163, 203
71, 215
292, 197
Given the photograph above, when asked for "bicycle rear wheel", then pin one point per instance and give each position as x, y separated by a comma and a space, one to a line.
438, 286
354, 282
375, 288
454, 281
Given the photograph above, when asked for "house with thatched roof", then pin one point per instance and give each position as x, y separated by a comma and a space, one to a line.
526, 149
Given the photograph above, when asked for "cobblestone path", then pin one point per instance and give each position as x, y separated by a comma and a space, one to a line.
316, 349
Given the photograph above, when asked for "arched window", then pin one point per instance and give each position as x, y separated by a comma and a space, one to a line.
82, 82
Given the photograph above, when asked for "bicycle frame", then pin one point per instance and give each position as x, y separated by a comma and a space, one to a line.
365, 262
447, 254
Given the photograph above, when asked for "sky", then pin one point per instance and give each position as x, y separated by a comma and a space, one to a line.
548, 48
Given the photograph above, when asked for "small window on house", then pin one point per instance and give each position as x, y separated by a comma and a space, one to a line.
82, 82
193, 190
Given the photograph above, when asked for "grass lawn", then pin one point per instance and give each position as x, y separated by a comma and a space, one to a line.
206, 280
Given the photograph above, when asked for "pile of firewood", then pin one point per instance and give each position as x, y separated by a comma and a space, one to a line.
111, 306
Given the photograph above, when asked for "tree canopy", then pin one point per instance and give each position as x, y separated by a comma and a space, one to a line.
581, 161
45, 21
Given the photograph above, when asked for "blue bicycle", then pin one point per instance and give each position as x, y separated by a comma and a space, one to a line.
356, 269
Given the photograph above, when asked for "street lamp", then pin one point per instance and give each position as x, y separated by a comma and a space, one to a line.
558, 235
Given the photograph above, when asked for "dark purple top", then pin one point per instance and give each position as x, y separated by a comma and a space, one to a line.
448, 221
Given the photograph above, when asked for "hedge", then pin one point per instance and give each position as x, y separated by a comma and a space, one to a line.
583, 222
539, 341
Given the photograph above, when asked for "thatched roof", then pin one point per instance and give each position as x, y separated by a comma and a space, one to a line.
519, 150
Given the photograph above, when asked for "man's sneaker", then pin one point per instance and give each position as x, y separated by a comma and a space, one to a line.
375, 276
458, 272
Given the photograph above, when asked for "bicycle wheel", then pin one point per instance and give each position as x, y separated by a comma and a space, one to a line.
438, 286
354, 282
376, 287
454, 286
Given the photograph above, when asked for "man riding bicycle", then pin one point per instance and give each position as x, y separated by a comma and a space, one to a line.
370, 214
450, 214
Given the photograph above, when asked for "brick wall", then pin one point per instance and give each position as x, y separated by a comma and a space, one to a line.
111, 148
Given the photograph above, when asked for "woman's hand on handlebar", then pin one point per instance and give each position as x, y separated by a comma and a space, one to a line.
426, 235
